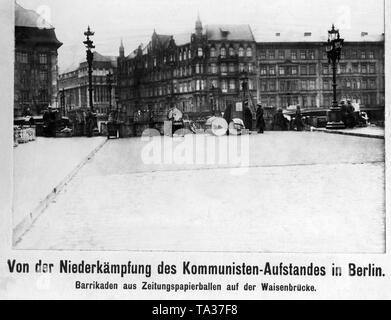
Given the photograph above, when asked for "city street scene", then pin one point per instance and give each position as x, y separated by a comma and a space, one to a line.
200, 127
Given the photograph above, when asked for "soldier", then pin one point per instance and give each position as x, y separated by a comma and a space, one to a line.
279, 121
299, 120
228, 115
260, 119
248, 117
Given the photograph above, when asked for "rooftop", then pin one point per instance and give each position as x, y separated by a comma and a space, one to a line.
229, 32
29, 18
97, 58
314, 36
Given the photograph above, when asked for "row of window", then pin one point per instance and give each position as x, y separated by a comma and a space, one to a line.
355, 68
354, 54
265, 86
287, 70
231, 67
196, 85
186, 54
309, 101
23, 57
287, 85
351, 84
265, 70
241, 52
282, 54
232, 52
296, 85
199, 69
310, 54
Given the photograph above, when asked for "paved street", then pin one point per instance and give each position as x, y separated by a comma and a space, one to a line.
39, 166
302, 192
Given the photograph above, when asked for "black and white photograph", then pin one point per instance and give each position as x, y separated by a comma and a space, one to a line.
194, 149
194, 126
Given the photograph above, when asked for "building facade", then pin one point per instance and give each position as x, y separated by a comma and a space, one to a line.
201, 74
204, 73
36, 70
298, 73
73, 86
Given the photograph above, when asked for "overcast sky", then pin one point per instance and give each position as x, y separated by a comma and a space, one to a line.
135, 20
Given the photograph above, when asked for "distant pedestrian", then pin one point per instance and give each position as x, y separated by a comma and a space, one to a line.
280, 123
228, 115
260, 120
248, 117
350, 117
299, 120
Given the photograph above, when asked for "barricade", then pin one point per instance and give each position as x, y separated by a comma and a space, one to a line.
24, 135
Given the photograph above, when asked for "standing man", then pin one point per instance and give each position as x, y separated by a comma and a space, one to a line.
248, 117
228, 115
260, 119
299, 120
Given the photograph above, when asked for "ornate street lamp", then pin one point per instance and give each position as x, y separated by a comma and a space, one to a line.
90, 118
90, 57
244, 86
333, 48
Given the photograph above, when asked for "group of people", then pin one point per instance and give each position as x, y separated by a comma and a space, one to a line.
248, 117
279, 123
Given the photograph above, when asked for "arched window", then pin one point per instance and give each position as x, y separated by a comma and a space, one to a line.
200, 52
249, 52
241, 52
223, 52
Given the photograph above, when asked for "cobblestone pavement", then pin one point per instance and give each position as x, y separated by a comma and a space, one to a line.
40, 165
302, 192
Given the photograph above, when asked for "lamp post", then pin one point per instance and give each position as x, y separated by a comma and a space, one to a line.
333, 48
244, 85
90, 57
90, 119
62, 101
212, 99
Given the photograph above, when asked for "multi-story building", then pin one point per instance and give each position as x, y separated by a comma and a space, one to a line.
73, 86
295, 71
36, 68
199, 74
203, 72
